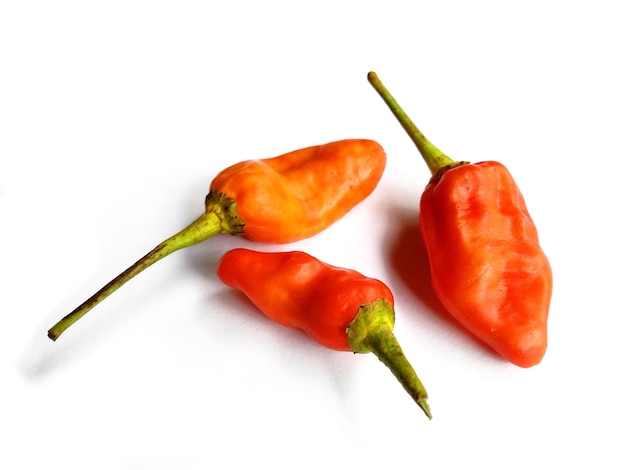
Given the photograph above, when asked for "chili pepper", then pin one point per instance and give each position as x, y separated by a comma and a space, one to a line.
487, 266
274, 200
337, 307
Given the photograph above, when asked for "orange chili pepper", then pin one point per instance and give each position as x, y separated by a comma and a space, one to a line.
275, 200
487, 266
339, 308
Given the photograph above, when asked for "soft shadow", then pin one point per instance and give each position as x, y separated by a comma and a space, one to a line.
42, 357
409, 260
204, 257
293, 349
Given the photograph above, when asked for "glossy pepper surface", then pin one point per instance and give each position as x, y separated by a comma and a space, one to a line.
339, 308
487, 266
275, 200
298, 194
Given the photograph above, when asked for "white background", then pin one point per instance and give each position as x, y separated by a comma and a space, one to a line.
114, 118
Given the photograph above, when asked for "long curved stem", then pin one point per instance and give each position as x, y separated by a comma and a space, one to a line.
434, 158
220, 217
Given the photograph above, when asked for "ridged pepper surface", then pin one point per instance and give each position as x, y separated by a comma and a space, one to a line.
339, 308
487, 266
275, 200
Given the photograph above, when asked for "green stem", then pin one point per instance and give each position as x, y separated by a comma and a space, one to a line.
220, 217
372, 331
436, 160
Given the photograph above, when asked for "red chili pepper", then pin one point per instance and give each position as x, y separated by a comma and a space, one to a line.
487, 266
274, 200
339, 308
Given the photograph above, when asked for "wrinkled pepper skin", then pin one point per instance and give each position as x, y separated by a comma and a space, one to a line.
337, 307
297, 290
487, 266
299, 194
274, 200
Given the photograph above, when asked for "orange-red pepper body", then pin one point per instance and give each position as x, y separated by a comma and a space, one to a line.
274, 200
297, 290
487, 266
339, 308
298, 194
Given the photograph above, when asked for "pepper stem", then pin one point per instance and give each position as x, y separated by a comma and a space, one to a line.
372, 331
220, 217
436, 160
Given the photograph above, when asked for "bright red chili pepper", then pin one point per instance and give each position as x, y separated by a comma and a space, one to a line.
487, 266
339, 308
274, 200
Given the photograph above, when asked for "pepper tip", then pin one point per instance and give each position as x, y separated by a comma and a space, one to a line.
423, 404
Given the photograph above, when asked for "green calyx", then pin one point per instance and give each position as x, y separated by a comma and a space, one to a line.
371, 330
220, 217
437, 161
225, 208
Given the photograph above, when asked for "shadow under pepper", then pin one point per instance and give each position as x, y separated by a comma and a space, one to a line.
337, 307
487, 266
276, 200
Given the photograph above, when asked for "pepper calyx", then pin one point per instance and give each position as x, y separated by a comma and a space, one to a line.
371, 330
225, 208
439, 173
